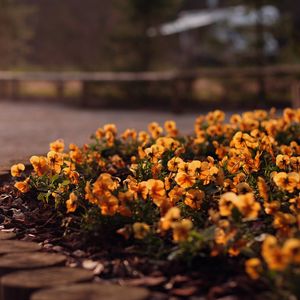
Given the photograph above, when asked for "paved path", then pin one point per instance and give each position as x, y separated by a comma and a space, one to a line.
27, 128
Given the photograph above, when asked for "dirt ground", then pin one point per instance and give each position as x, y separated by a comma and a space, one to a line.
28, 128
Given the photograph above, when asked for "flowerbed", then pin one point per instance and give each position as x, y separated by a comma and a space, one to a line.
229, 190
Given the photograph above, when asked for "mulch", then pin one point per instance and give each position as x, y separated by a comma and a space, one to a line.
206, 278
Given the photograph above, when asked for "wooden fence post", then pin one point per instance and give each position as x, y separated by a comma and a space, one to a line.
15, 89
85, 93
60, 90
181, 92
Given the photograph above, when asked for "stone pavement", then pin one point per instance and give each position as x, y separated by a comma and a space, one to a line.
28, 128
25, 269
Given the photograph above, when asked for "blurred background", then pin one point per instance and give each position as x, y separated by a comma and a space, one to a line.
211, 52
102, 60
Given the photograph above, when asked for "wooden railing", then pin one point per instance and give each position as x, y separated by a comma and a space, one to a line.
180, 80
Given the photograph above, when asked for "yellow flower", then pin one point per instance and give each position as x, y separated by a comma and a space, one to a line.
185, 180
23, 186
226, 203
57, 146
287, 181
16, 170
55, 161
253, 268
40, 164
71, 203
181, 230
194, 198
140, 230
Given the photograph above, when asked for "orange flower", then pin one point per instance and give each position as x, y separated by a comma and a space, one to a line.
143, 137
171, 129
156, 190
175, 194
283, 221
109, 204
273, 254
262, 188
104, 183
71, 203
16, 170
40, 164
185, 180
282, 161
89, 194
172, 215
226, 203
224, 233
295, 163
173, 164
112, 128
57, 146
291, 249
181, 230
155, 152
253, 268
286, 181
23, 186
208, 171
194, 198
247, 206
155, 130
243, 140
142, 189
140, 230
129, 134
194, 167
55, 161
110, 138
272, 207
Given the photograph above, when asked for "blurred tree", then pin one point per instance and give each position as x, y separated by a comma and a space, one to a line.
71, 34
135, 49
15, 33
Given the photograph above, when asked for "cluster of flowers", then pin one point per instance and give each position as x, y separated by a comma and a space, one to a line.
230, 188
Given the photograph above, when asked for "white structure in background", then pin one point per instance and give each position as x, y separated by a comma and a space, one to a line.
234, 17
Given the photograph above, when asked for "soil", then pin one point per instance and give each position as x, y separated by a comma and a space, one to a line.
206, 278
